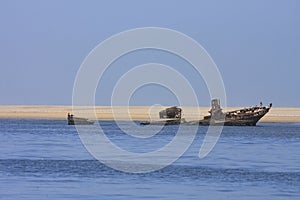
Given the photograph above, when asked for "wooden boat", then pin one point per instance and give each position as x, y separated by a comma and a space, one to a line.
78, 120
243, 117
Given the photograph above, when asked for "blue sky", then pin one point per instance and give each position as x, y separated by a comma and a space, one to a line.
255, 44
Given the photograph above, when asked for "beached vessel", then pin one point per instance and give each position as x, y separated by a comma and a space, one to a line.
169, 116
78, 120
242, 117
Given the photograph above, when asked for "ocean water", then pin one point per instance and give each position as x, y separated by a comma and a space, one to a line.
45, 159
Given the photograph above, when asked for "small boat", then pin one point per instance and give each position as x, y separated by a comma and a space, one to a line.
243, 117
169, 116
78, 120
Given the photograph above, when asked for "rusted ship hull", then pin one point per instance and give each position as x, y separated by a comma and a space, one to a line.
243, 117
251, 121
169, 116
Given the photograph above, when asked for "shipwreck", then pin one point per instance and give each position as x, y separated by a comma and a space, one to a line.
168, 116
242, 117
78, 120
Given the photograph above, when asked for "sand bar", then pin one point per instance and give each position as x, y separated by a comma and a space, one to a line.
276, 114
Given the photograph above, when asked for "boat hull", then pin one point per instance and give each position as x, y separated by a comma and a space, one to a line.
74, 122
237, 121
79, 121
243, 117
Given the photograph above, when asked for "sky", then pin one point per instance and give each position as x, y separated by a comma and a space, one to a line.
255, 45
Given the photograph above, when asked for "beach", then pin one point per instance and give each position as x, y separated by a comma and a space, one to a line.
276, 114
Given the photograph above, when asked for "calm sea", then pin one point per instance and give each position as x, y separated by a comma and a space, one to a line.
45, 159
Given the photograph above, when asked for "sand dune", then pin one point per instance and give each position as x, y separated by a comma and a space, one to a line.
276, 114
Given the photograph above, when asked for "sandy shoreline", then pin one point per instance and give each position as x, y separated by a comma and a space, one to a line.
276, 114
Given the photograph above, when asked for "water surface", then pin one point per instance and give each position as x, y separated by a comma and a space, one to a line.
45, 159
